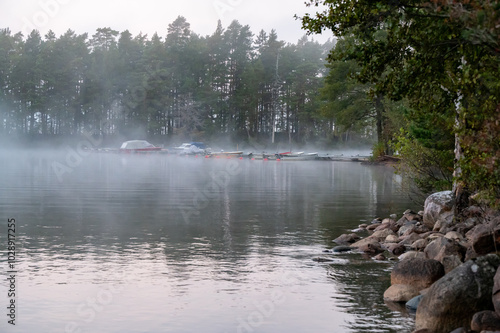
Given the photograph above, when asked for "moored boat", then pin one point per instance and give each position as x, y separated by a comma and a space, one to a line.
192, 148
266, 156
300, 156
138, 147
223, 154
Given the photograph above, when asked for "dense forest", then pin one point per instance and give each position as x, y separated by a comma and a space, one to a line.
440, 61
232, 83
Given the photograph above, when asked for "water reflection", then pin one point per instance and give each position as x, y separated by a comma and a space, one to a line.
195, 244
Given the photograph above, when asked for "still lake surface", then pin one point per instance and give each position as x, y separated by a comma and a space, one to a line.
113, 243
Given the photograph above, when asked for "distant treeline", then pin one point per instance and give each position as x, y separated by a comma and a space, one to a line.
231, 82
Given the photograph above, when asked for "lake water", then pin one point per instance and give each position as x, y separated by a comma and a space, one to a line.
114, 243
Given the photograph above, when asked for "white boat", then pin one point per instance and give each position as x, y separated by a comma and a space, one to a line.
300, 156
138, 147
192, 148
228, 154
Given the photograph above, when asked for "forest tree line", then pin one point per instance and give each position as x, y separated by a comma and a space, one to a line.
232, 82
437, 62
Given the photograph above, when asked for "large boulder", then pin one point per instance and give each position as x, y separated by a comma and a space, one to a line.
452, 300
438, 207
417, 272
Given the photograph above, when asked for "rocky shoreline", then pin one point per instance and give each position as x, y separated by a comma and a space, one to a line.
447, 272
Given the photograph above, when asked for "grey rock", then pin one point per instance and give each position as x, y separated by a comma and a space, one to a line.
322, 259
406, 229
452, 300
412, 304
451, 262
437, 206
341, 248
442, 247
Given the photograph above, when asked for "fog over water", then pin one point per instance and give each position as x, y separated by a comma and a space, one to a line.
108, 242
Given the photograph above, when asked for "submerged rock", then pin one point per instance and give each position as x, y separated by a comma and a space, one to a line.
342, 248
322, 259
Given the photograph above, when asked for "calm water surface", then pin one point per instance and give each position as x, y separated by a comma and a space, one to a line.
112, 243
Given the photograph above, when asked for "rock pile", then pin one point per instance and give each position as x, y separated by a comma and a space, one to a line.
447, 271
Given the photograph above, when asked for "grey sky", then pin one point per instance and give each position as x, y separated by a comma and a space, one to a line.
149, 16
